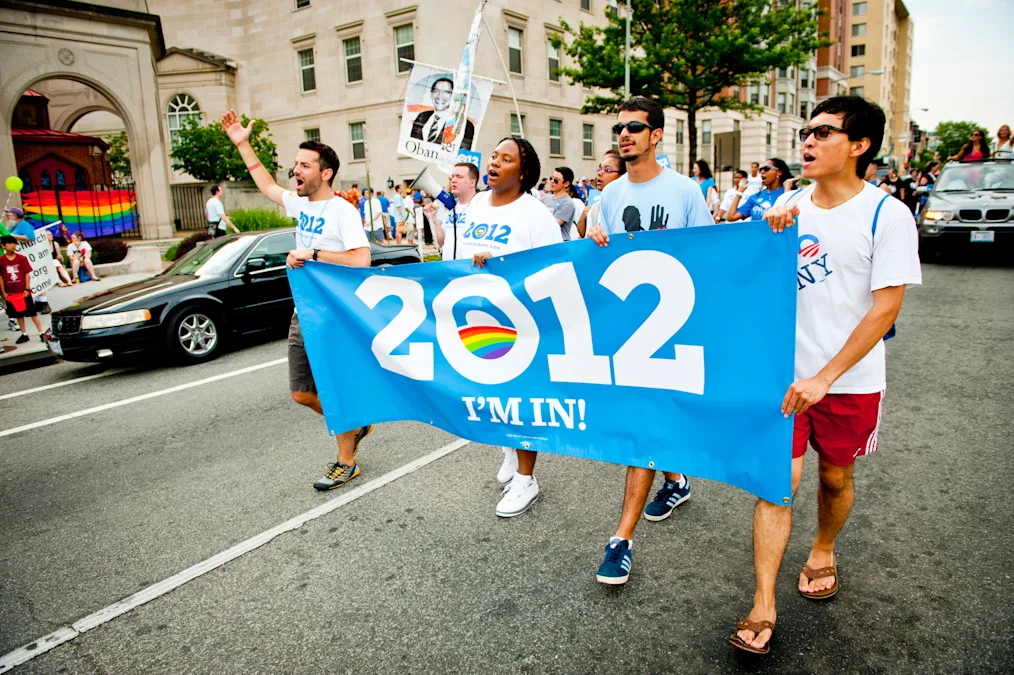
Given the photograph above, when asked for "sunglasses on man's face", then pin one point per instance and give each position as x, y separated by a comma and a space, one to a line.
634, 127
820, 132
554, 179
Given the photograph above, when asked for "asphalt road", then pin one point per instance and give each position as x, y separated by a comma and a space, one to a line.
420, 576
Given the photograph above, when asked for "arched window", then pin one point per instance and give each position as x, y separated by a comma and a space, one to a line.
61, 182
47, 181
26, 178
80, 180
180, 108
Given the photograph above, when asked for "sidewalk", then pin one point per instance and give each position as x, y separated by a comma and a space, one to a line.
36, 353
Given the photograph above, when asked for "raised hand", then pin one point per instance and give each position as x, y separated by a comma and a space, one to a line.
657, 223
234, 128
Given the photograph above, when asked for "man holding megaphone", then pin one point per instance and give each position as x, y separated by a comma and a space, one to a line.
464, 181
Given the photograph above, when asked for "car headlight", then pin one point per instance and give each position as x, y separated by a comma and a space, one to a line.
112, 320
938, 215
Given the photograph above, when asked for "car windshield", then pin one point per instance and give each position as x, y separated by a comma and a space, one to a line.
975, 176
210, 258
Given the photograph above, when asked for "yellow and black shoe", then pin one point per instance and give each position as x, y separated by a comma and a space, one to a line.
360, 435
338, 474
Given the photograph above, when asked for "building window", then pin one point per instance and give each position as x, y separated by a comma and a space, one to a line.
858, 50
358, 140
586, 5
782, 72
514, 37
300, 4
804, 80
589, 140
754, 93
813, 79
781, 102
311, 134
306, 70
26, 178
857, 71
516, 125
80, 180
46, 180
793, 135
61, 180
706, 132
857, 91
554, 63
555, 137
404, 46
680, 128
858, 9
767, 136
859, 30
181, 107
353, 59
792, 104
803, 110
615, 144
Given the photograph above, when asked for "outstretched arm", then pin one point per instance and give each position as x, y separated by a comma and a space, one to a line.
240, 136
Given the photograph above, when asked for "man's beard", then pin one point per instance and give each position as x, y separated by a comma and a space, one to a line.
309, 187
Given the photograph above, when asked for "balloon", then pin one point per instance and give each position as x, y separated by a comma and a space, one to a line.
14, 184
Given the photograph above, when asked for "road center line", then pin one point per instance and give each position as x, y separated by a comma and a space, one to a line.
113, 371
136, 399
106, 614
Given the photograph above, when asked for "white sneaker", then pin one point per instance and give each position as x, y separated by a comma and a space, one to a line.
519, 496
509, 466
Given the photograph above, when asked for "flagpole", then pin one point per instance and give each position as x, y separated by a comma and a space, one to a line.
510, 85
369, 200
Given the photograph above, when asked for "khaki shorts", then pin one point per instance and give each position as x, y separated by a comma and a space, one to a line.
300, 375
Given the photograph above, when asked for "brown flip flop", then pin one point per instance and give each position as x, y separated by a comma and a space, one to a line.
812, 574
756, 627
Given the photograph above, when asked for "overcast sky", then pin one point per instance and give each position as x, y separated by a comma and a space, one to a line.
963, 62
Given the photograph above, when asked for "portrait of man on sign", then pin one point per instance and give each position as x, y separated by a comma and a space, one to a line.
429, 125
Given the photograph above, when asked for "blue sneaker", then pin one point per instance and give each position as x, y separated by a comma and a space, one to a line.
668, 498
615, 569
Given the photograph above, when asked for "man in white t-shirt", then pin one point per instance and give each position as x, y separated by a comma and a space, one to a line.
447, 230
373, 214
398, 211
858, 250
217, 220
755, 181
328, 230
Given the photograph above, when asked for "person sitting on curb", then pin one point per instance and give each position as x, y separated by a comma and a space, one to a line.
80, 254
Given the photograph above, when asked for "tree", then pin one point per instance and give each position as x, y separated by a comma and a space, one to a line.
952, 135
686, 54
119, 156
206, 153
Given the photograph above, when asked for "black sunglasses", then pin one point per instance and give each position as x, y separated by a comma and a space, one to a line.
820, 133
634, 127
765, 169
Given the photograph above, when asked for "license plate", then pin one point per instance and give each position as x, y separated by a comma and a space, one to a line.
983, 235
54, 346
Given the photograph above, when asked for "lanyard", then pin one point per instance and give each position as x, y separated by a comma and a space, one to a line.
302, 240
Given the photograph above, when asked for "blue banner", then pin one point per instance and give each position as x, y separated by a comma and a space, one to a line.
668, 350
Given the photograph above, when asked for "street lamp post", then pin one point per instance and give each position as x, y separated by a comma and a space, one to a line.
613, 5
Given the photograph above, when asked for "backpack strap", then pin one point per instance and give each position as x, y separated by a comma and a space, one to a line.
876, 215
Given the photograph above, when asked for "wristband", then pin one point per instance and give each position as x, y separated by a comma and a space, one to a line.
251, 168
315, 252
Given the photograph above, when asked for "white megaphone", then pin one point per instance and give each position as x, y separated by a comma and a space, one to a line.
428, 182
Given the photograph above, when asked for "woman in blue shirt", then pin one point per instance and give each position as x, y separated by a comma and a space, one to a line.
774, 173
702, 174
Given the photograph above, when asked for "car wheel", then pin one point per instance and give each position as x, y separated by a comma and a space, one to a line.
929, 250
194, 334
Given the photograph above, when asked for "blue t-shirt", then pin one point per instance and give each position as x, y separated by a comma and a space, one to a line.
385, 204
706, 185
757, 204
362, 207
25, 229
668, 201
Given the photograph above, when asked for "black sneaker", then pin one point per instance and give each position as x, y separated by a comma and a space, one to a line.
43, 308
338, 474
22, 340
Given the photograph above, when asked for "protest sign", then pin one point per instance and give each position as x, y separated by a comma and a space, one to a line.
40, 256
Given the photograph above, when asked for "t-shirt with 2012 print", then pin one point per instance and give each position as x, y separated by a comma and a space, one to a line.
523, 224
328, 225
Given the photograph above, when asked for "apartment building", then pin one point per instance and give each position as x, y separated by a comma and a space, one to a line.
832, 61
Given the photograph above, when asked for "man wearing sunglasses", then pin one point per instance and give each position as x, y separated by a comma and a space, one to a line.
558, 200
647, 197
857, 252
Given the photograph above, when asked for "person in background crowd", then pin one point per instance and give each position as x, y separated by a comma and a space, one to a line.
215, 210
373, 214
870, 176
398, 212
774, 173
558, 200
740, 182
575, 197
702, 174
61, 271
417, 196
755, 183
911, 182
388, 219
647, 198
15, 273
892, 184
448, 230
976, 149
20, 228
353, 195
610, 168
80, 253
1004, 148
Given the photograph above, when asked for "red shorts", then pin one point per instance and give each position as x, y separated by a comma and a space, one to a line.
840, 428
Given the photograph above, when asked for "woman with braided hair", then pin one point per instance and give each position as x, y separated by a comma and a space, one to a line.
507, 219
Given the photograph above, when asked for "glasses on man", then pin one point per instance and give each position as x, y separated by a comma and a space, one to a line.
820, 132
634, 127
607, 169
554, 179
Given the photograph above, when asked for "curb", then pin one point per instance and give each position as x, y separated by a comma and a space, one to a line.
19, 362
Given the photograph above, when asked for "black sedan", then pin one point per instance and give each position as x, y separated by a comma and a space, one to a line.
228, 286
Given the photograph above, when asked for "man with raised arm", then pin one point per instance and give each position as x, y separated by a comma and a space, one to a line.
329, 231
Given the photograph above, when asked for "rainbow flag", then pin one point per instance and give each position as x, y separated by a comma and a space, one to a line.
96, 213
488, 342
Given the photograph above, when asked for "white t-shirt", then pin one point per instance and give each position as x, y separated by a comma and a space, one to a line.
523, 224
329, 225
841, 263
377, 213
397, 208
730, 194
754, 184
578, 210
84, 251
215, 211
451, 232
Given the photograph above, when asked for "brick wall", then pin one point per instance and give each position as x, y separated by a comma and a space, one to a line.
95, 166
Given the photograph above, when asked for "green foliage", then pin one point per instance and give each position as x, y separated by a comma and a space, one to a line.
206, 153
924, 158
953, 135
685, 54
119, 156
170, 253
189, 244
248, 220
433, 257
108, 250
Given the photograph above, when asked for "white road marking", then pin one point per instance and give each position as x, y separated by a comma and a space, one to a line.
135, 399
112, 371
106, 614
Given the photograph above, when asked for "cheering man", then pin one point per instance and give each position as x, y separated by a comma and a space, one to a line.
862, 251
328, 230
648, 197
